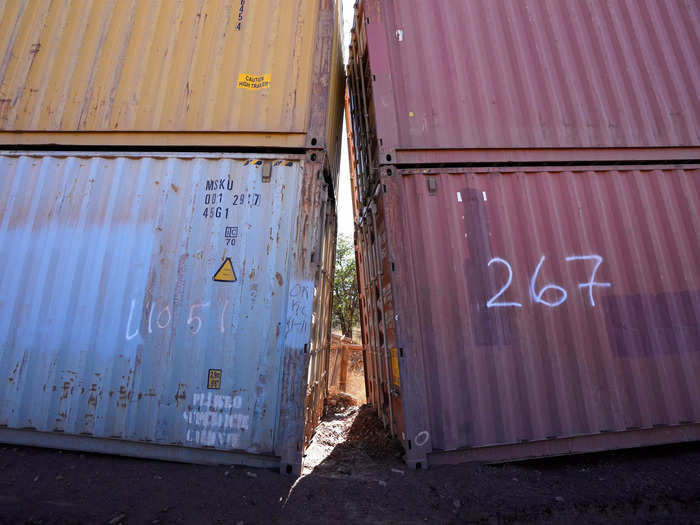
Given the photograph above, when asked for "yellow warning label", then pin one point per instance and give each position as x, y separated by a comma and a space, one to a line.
248, 81
214, 378
225, 272
395, 375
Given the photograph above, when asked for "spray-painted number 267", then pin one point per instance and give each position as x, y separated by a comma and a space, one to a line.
557, 294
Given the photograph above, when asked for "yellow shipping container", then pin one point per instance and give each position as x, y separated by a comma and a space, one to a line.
221, 73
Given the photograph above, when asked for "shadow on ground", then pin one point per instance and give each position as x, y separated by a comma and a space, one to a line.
358, 478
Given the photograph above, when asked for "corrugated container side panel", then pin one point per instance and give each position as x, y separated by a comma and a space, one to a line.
113, 324
358, 243
352, 160
536, 304
336, 93
362, 294
372, 317
169, 73
530, 74
302, 345
365, 312
317, 388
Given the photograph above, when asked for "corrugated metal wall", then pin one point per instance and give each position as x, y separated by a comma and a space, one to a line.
111, 320
169, 72
534, 304
528, 73
553, 294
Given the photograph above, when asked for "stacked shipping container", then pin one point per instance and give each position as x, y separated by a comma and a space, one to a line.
167, 225
528, 187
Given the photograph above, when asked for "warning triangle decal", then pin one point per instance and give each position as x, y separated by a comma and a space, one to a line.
225, 273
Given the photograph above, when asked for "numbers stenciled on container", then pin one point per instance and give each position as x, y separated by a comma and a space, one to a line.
221, 194
251, 199
193, 317
215, 213
492, 302
213, 198
591, 282
240, 16
538, 296
558, 294
160, 317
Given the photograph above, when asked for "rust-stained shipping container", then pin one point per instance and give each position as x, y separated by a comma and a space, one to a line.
165, 305
518, 312
524, 81
175, 73
167, 225
528, 193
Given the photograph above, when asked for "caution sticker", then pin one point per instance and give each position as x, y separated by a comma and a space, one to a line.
214, 379
254, 82
225, 273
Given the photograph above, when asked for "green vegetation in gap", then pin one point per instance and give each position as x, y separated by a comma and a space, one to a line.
346, 311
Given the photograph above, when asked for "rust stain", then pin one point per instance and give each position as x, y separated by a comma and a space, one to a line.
92, 400
181, 394
143, 315
65, 388
5, 104
175, 188
123, 397
504, 109
487, 373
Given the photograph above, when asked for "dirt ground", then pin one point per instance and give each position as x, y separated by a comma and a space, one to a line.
354, 474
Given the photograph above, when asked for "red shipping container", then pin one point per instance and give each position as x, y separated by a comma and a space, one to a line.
520, 312
487, 81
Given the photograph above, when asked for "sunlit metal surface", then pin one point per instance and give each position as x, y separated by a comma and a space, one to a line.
170, 73
482, 74
161, 299
533, 304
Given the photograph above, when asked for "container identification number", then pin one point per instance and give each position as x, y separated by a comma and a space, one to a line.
240, 15
557, 294
215, 204
161, 317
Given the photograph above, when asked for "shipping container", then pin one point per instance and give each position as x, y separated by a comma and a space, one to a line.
527, 195
519, 312
167, 73
524, 81
165, 305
